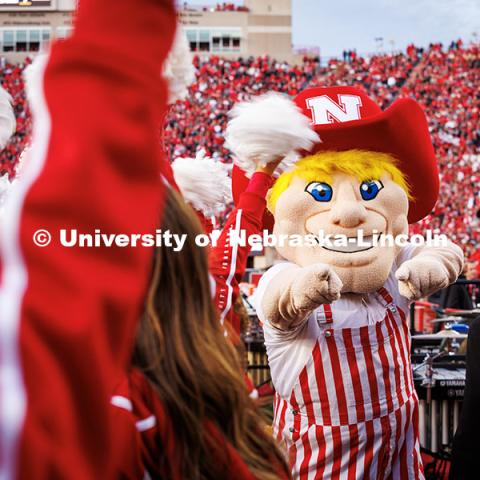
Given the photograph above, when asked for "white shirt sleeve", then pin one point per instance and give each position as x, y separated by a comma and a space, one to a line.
405, 254
267, 277
288, 351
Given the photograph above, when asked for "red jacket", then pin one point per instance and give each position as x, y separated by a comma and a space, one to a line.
68, 315
140, 418
228, 260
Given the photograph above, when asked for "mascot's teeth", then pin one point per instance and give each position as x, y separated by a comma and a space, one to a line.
354, 245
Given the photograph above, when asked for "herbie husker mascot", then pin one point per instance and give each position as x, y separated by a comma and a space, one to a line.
336, 317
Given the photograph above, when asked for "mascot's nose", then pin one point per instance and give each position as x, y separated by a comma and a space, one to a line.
348, 214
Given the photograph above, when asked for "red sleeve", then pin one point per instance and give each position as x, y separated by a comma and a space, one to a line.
69, 314
237, 468
140, 417
124, 418
228, 260
138, 408
206, 222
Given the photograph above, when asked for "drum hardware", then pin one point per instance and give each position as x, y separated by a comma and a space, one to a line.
451, 319
428, 381
440, 381
467, 314
444, 334
257, 361
429, 359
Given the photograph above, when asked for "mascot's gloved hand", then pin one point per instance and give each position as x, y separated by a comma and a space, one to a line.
419, 277
313, 286
294, 293
430, 270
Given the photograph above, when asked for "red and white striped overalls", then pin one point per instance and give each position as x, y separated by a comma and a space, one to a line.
353, 411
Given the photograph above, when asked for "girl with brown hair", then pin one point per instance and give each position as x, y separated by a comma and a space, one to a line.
193, 418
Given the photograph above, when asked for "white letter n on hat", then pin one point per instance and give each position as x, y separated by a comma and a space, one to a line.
325, 110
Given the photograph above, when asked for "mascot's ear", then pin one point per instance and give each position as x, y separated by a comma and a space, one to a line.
271, 210
203, 182
268, 127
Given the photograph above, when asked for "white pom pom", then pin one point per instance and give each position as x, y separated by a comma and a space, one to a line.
23, 161
287, 163
204, 183
178, 69
268, 127
5, 187
33, 77
8, 124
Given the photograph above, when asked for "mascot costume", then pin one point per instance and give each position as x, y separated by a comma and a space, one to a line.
336, 317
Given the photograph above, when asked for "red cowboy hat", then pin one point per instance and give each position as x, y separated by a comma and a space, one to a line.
346, 118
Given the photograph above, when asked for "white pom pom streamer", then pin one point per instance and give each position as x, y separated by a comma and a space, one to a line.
204, 183
32, 75
5, 187
23, 161
8, 124
268, 127
286, 164
178, 69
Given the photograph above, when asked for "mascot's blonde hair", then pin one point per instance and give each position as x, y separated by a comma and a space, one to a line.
320, 167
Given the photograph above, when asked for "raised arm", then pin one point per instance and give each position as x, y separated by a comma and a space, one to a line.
68, 315
228, 259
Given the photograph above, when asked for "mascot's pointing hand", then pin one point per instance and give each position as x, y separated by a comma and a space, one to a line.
418, 278
299, 291
429, 271
315, 285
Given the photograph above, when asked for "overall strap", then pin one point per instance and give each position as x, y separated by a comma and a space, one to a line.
387, 299
324, 315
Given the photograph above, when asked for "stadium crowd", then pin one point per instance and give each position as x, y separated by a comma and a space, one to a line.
446, 83
12, 80
444, 80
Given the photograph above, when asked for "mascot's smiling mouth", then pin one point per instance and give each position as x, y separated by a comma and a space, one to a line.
344, 244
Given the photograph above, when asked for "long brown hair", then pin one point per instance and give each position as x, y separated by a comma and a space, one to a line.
182, 349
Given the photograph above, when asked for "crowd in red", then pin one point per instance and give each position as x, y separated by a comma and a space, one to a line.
446, 84
12, 81
444, 80
200, 121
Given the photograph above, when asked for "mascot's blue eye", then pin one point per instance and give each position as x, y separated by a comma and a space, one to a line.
321, 192
369, 190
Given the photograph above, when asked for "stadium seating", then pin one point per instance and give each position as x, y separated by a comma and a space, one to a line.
444, 81
12, 80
